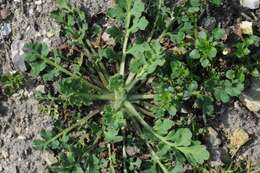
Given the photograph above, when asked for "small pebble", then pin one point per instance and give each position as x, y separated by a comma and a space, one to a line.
49, 158
4, 13
50, 34
5, 29
39, 2
5, 154
40, 88
17, 55
246, 27
252, 4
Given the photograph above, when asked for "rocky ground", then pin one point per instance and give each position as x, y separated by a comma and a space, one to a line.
20, 119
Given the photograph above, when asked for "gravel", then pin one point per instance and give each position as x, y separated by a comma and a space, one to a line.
20, 118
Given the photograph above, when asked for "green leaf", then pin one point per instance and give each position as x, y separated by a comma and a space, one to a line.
10, 83
63, 3
39, 145
194, 54
147, 57
212, 52
182, 137
78, 169
196, 154
75, 91
116, 12
151, 169
50, 75
179, 70
139, 24
139, 21
35, 50
115, 33
137, 9
230, 74
166, 100
178, 168
135, 165
218, 33
206, 103
221, 95
37, 68
112, 136
113, 122
162, 126
216, 2
116, 82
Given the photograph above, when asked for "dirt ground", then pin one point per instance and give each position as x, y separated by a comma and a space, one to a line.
20, 119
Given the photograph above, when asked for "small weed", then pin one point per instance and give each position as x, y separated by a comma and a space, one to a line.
10, 83
139, 91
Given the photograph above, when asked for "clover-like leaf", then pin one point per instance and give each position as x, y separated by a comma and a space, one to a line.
182, 137
163, 126
196, 153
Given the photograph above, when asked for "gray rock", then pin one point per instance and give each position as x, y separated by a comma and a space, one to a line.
252, 4
4, 13
209, 22
238, 117
17, 55
213, 144
5, 30
251, 97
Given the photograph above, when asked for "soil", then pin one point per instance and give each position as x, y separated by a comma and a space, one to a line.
20, 118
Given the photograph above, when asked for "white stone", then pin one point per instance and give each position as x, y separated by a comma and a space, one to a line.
246, 27
49, 158
5, 29
39, 2
252, 4
40, 88
106, 38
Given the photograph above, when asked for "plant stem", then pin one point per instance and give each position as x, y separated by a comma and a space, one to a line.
166, 30
103, 78
131, 109
146, 112
155, 157
195, 26
112, 169
77, 124
127, 24
156, 20
59, 67
142, 97
132, 84
130, 77
65, 71
104, 97
124, 151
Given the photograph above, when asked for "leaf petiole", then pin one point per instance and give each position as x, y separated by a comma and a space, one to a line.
142, 97
67, 130
126, 38
65, 71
